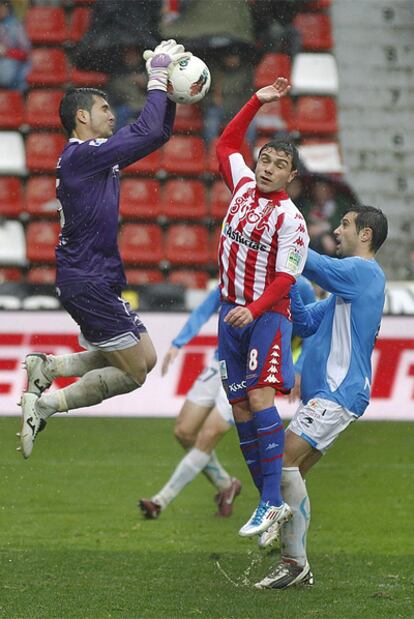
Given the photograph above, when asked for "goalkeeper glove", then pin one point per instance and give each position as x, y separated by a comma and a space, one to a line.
159, 60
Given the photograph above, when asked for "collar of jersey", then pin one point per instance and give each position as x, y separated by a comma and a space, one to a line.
275, 196
76, 140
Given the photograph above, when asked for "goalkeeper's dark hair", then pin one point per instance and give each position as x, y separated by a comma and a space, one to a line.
74, 100
286, 147
372, 218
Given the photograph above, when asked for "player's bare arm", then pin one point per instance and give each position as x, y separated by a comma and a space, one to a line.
169, 358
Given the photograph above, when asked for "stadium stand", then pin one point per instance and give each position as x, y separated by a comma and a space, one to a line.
141, 244
12, 243
42, 108
184, 200
40, 199
41, 239
11, 197
12, 153
11, 109
187, 245
140, 198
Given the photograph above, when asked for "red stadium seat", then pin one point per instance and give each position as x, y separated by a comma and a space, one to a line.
41, 196
42, 108
87, 78
184, 155
41, 275
49, 67
11, 109
79, 23
184, 199
11, 197
275, 116
212, 163
10, 275
315, 115
318, 5
140, 198
41, 240
150, 164
43, 151
46, 25
141, 243
140, 277
315, 30
219, 200
270, 67
187, 245
189, 279
189, 118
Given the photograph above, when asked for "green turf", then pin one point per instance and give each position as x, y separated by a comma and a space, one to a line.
74, 545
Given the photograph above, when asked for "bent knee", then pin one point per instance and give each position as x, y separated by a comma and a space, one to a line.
184, 436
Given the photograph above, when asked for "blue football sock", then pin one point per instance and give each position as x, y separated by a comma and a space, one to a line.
250, 450
271, 439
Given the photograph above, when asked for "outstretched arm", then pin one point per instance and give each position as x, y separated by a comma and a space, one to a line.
231, 163
192, 326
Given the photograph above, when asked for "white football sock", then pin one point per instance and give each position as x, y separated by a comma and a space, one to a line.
92, 388
293, 533
189, 467
215, 473
76, 364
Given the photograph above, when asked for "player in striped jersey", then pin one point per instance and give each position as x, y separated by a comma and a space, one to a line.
262, 251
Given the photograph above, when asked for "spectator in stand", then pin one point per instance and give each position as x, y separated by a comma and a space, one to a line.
232, 85
128, 86
14, 50
273, 25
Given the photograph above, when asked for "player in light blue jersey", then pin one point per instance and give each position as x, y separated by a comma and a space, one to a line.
205, 417
336, 375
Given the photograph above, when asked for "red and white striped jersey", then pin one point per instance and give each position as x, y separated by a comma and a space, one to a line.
262, 234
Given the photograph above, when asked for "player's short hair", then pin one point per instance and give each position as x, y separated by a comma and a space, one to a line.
286, 147
74, 100
372, 218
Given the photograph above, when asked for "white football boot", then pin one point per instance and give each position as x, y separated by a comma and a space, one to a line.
268, 537
287, 573
32, 423
265, 516
37, 382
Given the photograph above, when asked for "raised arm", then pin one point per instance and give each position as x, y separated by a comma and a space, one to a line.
343, 276
231, 163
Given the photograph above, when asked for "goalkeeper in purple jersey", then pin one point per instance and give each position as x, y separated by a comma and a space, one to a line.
90, 275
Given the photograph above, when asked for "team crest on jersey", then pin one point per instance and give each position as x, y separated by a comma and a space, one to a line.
293, 260
97, 142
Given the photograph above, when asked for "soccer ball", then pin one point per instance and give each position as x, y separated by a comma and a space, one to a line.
188, 81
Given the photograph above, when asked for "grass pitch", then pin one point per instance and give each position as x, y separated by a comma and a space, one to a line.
73, 544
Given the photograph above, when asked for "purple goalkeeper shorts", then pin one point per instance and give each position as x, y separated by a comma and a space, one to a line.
258, 355
101, 313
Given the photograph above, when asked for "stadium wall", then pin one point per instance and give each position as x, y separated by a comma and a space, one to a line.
55, 332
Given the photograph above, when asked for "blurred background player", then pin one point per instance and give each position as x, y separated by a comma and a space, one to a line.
262, 250
90, 274
336, 375
205, 417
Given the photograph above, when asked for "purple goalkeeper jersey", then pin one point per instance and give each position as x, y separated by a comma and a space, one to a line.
88, 191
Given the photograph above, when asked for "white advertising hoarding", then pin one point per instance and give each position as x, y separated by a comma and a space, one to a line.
56, 333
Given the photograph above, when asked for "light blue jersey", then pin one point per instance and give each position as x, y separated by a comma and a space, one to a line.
198, 318
337, 366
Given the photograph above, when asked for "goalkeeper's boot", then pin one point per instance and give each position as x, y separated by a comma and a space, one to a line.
287, 573
270, 536
265, 516
32, 423
150, 509
37, 382
226, 498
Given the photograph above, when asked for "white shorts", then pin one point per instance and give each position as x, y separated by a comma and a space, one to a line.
208, 391
320, 422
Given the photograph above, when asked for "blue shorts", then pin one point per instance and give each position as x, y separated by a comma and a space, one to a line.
258, 355
102, 315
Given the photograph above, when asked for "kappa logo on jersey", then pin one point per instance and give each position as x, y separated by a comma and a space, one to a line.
299, 241
236, 386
